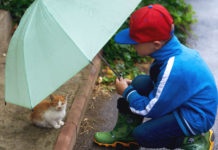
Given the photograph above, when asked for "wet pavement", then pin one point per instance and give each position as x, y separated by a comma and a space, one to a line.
203, 39
101, 115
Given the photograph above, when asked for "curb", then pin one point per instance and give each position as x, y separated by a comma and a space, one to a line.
68, 134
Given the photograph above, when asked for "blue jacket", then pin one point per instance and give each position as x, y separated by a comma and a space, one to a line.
184, 86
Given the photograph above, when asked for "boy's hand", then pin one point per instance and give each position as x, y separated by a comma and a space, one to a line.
122, 84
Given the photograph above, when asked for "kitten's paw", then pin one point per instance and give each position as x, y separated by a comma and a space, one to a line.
57, 126
61, 123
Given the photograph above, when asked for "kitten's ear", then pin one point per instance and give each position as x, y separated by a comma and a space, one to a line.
52, 97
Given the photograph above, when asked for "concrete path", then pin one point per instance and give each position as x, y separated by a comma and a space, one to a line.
205, 38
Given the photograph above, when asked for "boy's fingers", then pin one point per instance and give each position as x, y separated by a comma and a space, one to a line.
128, 81
119, 79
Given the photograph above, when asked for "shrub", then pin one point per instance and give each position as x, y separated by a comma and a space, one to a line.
15, 7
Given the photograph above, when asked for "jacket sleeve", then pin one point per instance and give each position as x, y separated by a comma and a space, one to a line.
169, 93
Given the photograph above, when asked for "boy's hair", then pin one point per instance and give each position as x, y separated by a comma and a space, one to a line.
149, 23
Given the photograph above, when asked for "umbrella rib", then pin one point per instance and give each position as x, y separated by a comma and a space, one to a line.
53, 18
24, 33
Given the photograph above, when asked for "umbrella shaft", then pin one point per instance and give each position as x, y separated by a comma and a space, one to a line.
115, 72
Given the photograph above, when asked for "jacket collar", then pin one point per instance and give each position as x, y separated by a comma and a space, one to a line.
171, 48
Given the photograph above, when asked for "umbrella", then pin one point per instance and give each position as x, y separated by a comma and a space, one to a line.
55, 39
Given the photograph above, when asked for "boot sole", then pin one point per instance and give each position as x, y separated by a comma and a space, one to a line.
114, 145
211, 139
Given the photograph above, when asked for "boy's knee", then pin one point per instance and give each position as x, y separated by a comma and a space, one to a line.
142, 84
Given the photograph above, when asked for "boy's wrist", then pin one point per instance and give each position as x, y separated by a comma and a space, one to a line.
127, 91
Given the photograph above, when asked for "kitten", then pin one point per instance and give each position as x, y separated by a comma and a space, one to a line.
50, 113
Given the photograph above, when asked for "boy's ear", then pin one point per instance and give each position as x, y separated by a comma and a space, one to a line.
158, 44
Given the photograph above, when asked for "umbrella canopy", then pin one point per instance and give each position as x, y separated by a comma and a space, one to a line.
56, 39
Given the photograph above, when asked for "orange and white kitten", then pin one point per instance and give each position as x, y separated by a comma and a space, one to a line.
50, 113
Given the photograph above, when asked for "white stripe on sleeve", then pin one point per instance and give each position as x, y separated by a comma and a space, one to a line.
161, 85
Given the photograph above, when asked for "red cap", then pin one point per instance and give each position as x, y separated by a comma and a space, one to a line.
149, 23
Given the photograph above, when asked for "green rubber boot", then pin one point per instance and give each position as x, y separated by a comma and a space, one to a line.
121, 135
199, 142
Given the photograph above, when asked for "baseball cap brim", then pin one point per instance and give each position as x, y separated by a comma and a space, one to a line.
123, 37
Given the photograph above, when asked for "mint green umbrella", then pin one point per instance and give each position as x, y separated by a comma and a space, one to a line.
56, 39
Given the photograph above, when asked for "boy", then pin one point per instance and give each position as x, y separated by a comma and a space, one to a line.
179, 95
